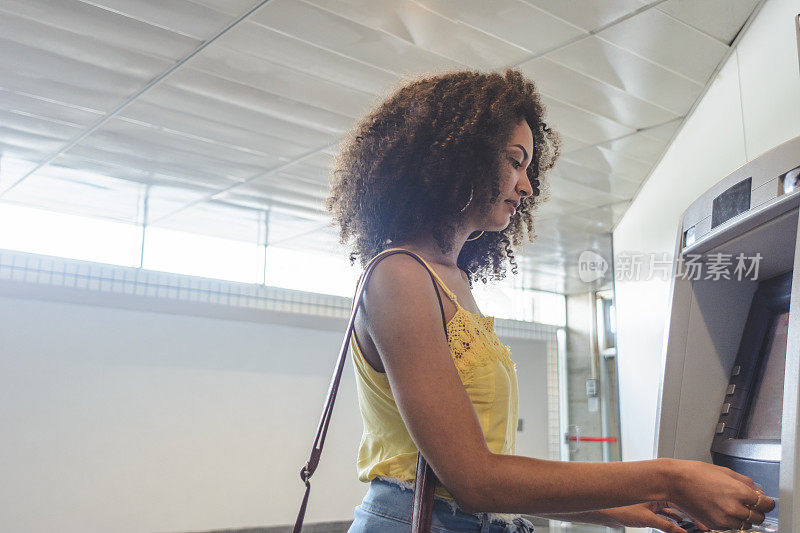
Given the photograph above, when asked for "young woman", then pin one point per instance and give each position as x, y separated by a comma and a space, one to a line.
450, 167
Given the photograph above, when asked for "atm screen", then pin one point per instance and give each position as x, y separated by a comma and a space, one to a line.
764, 415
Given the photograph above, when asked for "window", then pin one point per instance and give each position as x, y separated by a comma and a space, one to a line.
200, 255
310, 271
49, 233
169, 250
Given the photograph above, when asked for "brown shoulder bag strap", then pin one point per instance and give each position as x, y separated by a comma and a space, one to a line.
425, 481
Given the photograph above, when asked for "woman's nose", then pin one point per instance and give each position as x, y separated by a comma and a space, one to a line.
524, 187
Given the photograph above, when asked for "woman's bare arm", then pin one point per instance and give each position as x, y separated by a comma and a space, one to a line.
404, 321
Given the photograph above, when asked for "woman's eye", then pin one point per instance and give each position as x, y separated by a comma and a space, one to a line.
516, 164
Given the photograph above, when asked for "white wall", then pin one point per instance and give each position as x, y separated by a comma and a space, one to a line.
752, 106
127, 420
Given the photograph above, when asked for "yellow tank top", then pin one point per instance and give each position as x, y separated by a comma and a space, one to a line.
489, 377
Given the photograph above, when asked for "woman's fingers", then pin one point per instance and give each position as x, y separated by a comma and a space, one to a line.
669, 513
763, 503
744, 479
666, 526
756, 517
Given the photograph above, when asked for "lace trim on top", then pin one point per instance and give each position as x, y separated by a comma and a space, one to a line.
472, 338
474, 343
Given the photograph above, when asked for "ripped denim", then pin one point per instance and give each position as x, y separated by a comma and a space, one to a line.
387, 508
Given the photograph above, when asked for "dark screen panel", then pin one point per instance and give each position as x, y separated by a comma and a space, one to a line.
764, 417
732, 202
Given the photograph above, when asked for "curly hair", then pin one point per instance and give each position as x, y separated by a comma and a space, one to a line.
416, 160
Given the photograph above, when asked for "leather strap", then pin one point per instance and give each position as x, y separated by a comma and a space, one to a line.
425, 481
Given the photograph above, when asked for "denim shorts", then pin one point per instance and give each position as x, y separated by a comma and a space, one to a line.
387, 509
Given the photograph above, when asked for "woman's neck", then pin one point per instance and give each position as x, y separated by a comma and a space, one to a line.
429, 249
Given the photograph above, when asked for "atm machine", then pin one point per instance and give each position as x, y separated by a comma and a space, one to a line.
731, 359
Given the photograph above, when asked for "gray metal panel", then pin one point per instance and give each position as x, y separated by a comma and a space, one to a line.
790, 467
716, 319
672, 369
764, 193
673, 353
745, 223
762, 169
707, 319
754, 449
774, 240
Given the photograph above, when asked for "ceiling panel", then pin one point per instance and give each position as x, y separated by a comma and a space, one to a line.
663, 132
282, 187
80, 193
631, 73
577, 223
602, 181
77, 160
580, 124
219, 89
131, 164
229, 7
106, 28
43, 73
46, 43
184, 17
568, 144
571, 87
259, 142
217, 219
122, 147
688, 51
320, 238
172, 147
453, 40
34, 132
721, 19
556, 206
314, 169
15, 163
279, 80
606, 160
291, 231
34, 106
344, 36
575, 192
473, 32
176, 109
569, 232
298, 55
589, 14
514, 21
163, 200
639, 145
608, 215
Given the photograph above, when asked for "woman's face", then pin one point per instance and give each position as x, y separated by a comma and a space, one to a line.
514, 182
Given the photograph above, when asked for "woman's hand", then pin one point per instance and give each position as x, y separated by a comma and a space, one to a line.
718, 496
649, 514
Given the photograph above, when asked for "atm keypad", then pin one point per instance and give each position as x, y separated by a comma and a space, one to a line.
726, 408
736, 370
731, 389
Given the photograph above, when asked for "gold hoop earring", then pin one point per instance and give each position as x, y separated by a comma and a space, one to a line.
472, 239
471, 190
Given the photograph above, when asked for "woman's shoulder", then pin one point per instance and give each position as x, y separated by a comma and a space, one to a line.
401, 273
400, 289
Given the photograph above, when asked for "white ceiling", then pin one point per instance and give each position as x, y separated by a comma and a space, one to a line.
218, 111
